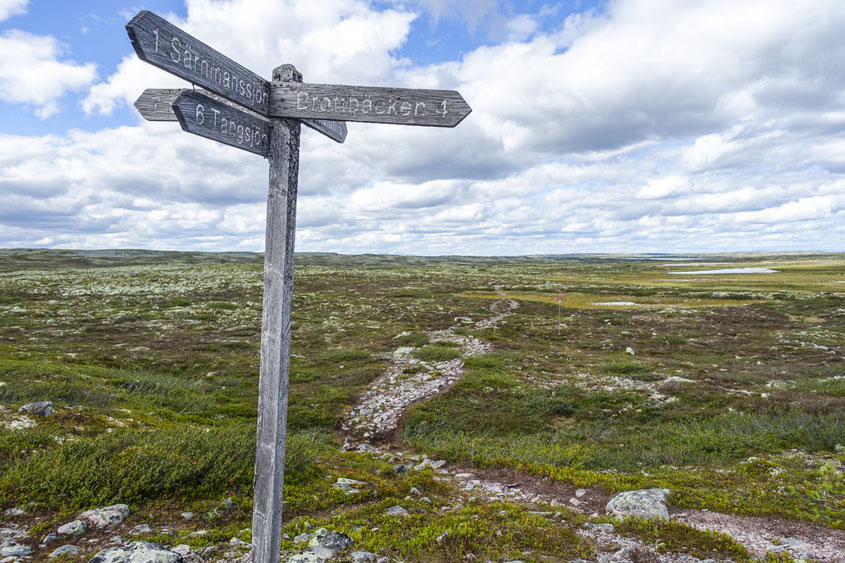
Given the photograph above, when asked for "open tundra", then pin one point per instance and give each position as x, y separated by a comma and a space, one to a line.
601, 408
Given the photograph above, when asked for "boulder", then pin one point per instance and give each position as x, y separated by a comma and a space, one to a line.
40, 408
106, 516
137, 552
363, 556
645, 503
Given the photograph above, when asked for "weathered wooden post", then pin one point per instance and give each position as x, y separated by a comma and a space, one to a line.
239, 108
275, 331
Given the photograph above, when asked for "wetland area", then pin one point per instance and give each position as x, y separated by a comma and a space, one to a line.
441, 409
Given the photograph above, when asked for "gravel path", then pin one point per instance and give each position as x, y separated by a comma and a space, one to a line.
380, 410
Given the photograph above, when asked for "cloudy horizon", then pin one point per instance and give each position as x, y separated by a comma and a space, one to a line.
626, 126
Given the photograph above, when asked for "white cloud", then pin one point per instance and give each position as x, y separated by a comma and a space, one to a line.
32, 74
650, 126
328, 41
9, 8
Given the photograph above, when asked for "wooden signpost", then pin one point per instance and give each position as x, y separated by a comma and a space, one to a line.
239, 108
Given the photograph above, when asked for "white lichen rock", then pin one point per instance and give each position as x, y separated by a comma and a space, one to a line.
645, 503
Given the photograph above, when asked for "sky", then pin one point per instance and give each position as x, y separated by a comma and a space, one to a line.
597, 126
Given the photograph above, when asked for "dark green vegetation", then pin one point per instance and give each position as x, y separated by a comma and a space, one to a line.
734, 397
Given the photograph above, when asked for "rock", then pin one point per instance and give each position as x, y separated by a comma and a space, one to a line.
73, 529
106, 516
399, 469
140, 529
645, 503
630, 351
41, 408
397, 511
415, 491
64, 550
600, 527
442, 537
326, 544
839, 448
187, 515
363, 556
13, 549
182, 549
403, 351
49, 537
580, 492
303, 538
350, 486
307, 557
137, 552
12, 512
676, 379
429, 463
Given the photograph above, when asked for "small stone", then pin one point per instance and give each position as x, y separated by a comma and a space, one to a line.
64, 550
415, 491
49, 537
141, 529
609, 528
12, 512
41, 408
107, 516
580, 493
74, 529
399, 469
397, 511
630, 351
839, 448
574, 501
363, 556
442, 537
307, 557
326, 543
187, 515
303, 538
350, 486
426, 500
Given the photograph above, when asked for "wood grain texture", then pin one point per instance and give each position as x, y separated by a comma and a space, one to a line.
203, 116
401, 106
154, 104
275, 336
167, 47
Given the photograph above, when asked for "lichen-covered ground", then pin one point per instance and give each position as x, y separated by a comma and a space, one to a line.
726, 389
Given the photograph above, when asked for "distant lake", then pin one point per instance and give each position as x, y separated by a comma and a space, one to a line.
727, 271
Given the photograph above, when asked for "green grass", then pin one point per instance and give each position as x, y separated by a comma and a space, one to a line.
151, 360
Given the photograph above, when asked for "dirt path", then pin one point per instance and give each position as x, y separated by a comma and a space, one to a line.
408, 380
